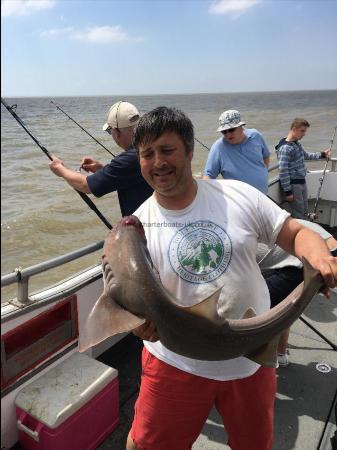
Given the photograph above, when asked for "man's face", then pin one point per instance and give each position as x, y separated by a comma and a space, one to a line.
165, 165
234, 135
115, 134
299, 132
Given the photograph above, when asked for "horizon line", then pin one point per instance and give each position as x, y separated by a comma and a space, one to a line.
171, 94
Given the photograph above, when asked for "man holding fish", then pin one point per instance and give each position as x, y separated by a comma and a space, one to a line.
210, 338
227, 218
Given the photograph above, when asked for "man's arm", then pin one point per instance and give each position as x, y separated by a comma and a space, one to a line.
283, 156
317, 155
265, 151
266, 161
76, 179
212, 166
298, 240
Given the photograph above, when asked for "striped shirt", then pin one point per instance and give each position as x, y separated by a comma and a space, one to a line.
291, 156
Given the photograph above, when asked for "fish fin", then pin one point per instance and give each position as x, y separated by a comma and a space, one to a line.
249, 314
208, 307
106, 319
266, 355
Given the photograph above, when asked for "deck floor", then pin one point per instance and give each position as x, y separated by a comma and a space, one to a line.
304, 413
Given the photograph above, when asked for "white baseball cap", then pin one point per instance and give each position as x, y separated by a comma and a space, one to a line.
230, 119
121, 115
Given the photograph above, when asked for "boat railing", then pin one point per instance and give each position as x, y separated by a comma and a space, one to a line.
273, 167
22, 276
332, 161
275, 179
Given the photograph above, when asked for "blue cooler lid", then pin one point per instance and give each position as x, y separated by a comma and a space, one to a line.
59, 393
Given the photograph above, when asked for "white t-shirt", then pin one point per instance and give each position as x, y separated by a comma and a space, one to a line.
210, 244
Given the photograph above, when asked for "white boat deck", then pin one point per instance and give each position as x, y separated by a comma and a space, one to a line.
304, 419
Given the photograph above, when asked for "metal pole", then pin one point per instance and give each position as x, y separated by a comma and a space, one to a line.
313, 215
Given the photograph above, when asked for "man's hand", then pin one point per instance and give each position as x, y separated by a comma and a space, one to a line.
302, 242
266, 161
327, 266
327, 153
290, 198
56, 166
76, 179
90, 165
147, 331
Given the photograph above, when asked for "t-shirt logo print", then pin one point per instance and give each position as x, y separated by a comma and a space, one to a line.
200, 252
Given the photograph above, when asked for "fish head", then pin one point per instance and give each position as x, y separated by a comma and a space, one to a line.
130, 222
125, 260
120, 244
129, 227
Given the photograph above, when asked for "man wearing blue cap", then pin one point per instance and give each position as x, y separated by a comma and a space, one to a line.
240, 154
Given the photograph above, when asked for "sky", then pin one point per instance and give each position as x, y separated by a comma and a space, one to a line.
140, 47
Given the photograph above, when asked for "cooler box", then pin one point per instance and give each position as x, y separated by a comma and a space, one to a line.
74, 406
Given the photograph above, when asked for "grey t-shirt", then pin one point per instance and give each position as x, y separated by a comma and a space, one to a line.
276, 258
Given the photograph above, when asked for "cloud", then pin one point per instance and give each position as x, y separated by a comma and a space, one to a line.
99, 35
102, 35
233, 7
57, 32
24, 7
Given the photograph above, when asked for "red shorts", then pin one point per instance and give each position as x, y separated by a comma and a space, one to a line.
174, 405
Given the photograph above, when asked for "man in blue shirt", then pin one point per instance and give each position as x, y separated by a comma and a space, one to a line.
122, 174
241, 154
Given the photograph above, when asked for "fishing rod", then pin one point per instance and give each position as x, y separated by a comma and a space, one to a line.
207, 148
90, 203
83, 129
59, 108
313, 215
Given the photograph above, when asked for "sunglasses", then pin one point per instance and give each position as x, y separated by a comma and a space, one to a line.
231, 130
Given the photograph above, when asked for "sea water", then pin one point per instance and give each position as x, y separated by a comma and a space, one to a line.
43, 217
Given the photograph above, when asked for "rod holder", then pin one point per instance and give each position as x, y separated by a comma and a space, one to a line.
22, 288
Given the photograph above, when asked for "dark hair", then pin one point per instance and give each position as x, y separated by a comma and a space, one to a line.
160, 120
297, 123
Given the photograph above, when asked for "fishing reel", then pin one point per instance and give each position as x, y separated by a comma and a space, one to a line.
312, 216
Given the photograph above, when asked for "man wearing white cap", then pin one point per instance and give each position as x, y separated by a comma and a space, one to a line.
122, 174
241, 154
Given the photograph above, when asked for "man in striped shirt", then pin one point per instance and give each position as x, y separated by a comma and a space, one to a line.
291, 156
